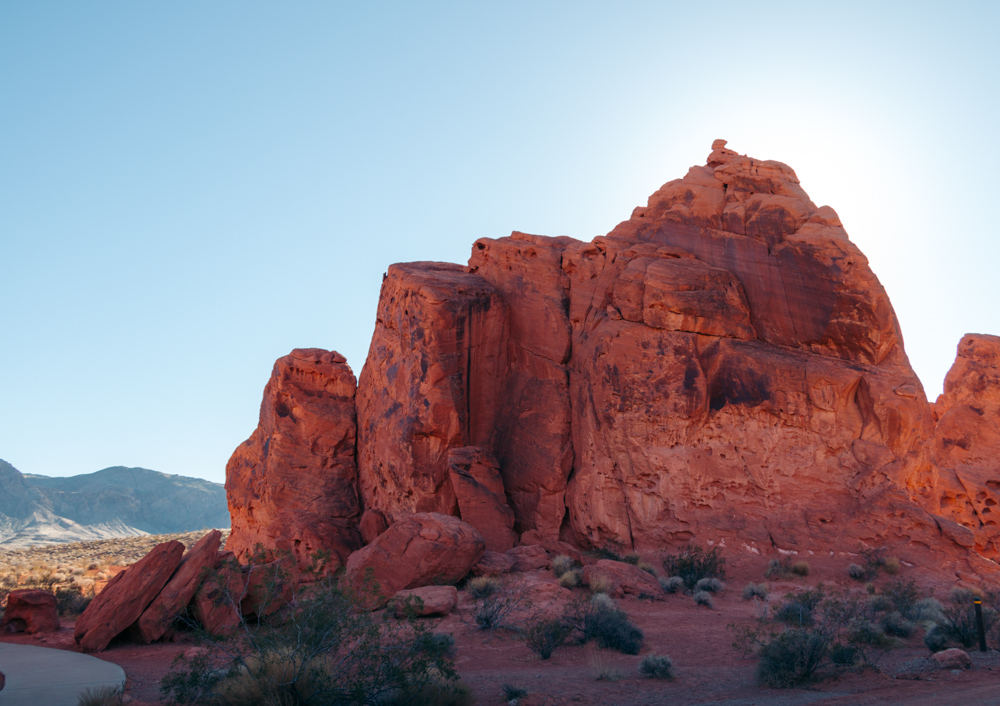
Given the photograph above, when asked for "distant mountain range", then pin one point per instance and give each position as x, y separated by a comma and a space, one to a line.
114, 502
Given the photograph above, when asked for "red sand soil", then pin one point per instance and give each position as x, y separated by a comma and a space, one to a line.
709, 670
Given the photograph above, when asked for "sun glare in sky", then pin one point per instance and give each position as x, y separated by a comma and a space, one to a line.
188, 191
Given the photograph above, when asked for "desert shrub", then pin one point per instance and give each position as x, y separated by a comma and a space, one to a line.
602, 621
93, 566
544, 636
928, 610
710, 585
844, 655
795, 613
958, 624
672, 584
71, 601
612, 551
779, 568
601, 584
892, 566
862, 631
936, 639
893, 623
879, 603
571, 579
561, 564
604, 668
902, 594
657, 666
503, 607
694, 563
511, 692
704, 598
647, 567
874, 556
102, 696
321, 647
755, 590
792, 658
482, 586
800, 568
857, 572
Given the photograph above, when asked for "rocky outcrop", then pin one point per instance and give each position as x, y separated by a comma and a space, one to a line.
30, 610
966, 445
622, 578
292, 486
475, 478
419, 550
180, 589
724, 366
216, 603
126, 596
426, 601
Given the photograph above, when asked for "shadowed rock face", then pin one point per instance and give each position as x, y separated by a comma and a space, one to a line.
724, 365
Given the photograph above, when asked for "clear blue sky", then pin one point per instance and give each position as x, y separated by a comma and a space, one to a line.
190, 190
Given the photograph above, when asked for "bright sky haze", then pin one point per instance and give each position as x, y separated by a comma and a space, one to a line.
188, 191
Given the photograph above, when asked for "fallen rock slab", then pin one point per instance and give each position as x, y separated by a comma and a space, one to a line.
180, 589
419, 550
475, 478
425, 601
216, 604
493, 564
126, 596
30, 610
529, 558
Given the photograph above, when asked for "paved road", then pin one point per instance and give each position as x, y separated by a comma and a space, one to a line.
40, 676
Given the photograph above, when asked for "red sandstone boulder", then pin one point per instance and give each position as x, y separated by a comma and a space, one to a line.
623, 579
372, 525
953, 658
529, 558
270, 586
216, 604
126, 596
418, 550
425, 601
475, 478
493, 564
30, 610
292, 486
175, 596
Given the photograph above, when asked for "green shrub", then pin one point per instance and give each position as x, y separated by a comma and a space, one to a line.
892, 566
936, 639
928, 610
862, 631
895, 624
800, 568
693, 564
544, 636
755, 590
779, 568
704, 598
657, 666
632, 559
858, 572
902, 594
672, 584
792, 658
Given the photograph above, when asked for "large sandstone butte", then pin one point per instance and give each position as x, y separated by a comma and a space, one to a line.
723, 366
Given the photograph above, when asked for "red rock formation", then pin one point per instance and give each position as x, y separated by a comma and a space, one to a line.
126, 596
623, 578
475, 478
216, 602
428, 386
420, 549
426, 601
30, 610
292, 486
966, 446
175, 596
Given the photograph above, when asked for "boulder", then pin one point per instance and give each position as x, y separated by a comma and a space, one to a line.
623, 578
30, 610
493, 564
126, 596
372, 525
475, 478
292, 486
425, 601
953, 658
175, 596
529, 558
216, 604
270, 586
418, 550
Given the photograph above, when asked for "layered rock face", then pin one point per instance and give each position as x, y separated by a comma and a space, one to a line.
966, 443
292, 486
724, 365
